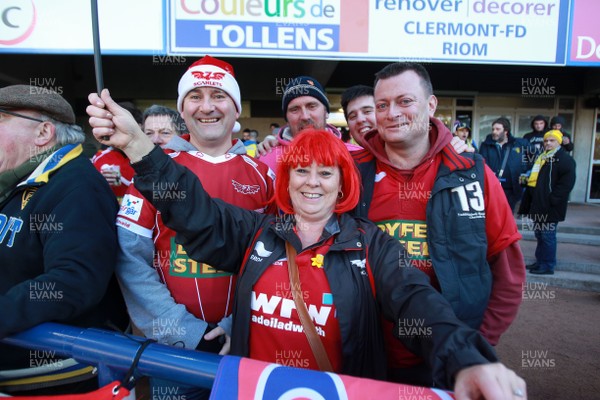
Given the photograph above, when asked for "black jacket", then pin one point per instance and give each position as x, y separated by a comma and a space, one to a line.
57, 260
225, 236
536, 146
516, 164
447, 222
547, 201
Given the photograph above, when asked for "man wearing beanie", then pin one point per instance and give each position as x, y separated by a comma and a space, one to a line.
170, 297
58, 242
539, 126
545, 200
305, 106
559, 123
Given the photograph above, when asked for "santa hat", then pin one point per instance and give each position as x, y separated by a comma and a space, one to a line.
211, 72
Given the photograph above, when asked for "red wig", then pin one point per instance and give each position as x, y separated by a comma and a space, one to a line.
325, 149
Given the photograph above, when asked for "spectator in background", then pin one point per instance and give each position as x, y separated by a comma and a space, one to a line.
506, 156
136, 113
113, 164
273, 128
558, 123
251, 143
359, 111
539, 126
446, 208
245, 135
162, 124
546, 197
462, 130
58, 244
305, 106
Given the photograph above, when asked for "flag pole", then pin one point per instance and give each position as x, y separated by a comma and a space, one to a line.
97, 53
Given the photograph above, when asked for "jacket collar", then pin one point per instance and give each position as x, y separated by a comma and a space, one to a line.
344, 226
182, 143
454, 161
52, 163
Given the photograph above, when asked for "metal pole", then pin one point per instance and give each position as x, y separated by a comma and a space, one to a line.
97, 53
116, 351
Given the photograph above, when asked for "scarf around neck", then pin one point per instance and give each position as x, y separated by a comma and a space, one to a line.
9, 179
538, 164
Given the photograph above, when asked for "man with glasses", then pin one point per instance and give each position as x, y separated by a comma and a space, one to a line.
58, 242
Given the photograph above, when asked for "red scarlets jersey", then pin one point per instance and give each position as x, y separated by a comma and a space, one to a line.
237, 179
398, 208
276, 333
116, 159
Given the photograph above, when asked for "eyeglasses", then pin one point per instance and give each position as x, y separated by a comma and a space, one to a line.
5, 111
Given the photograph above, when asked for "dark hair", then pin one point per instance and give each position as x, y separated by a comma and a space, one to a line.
176, 120
354, 92
504, 122
558, 120
135, 112
540, 118
398, 68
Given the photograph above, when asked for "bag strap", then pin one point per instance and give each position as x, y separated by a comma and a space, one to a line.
506, 154
308, 326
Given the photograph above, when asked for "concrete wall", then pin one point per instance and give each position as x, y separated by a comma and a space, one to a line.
584, 145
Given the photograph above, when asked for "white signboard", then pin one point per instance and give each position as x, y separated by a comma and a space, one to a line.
65, 26
542, 32
490, 31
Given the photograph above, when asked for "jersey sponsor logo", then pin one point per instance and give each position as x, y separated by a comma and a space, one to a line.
269, 305
412, 235
124, 223
183, 266
9, 227
131, 207
245, 189
260, 249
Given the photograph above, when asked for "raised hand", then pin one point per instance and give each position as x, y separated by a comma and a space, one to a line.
114, 126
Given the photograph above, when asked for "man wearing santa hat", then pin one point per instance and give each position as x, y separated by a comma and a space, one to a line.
170, 297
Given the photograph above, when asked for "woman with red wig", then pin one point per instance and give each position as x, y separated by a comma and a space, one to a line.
312, 261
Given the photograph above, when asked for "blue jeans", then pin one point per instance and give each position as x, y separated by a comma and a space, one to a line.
545, 252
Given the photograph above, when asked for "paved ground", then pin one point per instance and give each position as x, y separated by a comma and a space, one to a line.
554, 343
